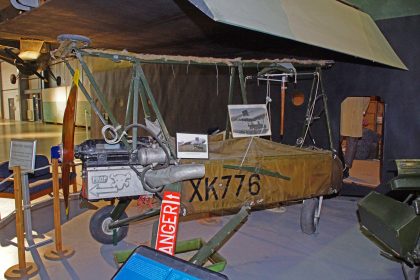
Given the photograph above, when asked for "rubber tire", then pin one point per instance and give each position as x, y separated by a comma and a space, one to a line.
96, 229
307, 215
58, 81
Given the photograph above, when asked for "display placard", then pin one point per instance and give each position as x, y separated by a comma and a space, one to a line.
147, 263
249, 120
192, 145
22, 153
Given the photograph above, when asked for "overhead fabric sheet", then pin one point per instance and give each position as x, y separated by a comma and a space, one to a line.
327, 24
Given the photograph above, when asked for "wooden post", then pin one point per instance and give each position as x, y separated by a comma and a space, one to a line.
20, 230
283, 99
23, 268
57, 252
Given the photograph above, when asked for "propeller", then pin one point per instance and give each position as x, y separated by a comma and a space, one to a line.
69, 123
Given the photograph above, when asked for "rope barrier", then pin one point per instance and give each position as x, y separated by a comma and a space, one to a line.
7, 179
42, 168
12, 175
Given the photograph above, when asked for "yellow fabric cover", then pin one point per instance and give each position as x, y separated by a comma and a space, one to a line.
309, 173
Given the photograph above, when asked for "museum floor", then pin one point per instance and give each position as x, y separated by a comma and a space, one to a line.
269, 245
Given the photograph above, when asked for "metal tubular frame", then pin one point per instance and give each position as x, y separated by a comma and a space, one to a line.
230, 98
312, 99
124, 222
86, 94
129, 104
220, 237
154, 105
139, 87
327, 115
136, 81
119, 208
323, 95
242, 83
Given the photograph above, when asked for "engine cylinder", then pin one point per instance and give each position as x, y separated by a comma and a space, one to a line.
148, 156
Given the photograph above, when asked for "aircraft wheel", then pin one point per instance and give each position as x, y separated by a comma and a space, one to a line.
308, 221
99, 229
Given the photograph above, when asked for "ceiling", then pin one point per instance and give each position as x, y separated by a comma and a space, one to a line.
170, 27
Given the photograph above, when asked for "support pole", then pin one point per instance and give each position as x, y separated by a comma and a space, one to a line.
97, 90
155, 108
327, 115
242, 82
142, 91
308, 108
136, 93
220, 238
86, 124
230, 98
98, 94
22, 269
57, 252
283, 100
86, 94
129, 105
26, 197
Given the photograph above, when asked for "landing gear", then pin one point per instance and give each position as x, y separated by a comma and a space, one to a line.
309, 215
99, 226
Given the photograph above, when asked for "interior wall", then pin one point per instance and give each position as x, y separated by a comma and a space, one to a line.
398, 89
191, 98
194, 98
54, 97
9, 90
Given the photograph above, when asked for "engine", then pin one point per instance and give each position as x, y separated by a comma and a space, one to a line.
113, 171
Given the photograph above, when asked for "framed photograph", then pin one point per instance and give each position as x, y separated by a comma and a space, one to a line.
22, 153
192, 145
249, 120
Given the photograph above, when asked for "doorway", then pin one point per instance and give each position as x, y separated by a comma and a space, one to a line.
362, 120
12, 108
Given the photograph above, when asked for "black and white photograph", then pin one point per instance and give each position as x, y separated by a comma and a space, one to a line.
249, 120
192, 145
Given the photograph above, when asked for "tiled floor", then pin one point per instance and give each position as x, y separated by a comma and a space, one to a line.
47, 135
269, 245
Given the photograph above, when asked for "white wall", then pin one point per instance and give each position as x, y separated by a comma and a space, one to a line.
34, 82
9, 90
60, 69
54, 94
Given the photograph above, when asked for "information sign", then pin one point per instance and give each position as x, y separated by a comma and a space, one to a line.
22, 153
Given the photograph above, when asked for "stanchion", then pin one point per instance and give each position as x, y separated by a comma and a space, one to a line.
58, 251
23, 268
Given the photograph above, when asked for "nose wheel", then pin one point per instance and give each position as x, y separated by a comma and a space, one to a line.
99, 226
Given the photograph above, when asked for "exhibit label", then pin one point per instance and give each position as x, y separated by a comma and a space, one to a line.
168, 222
22, 153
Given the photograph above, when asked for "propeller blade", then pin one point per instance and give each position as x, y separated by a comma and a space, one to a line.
69, 123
